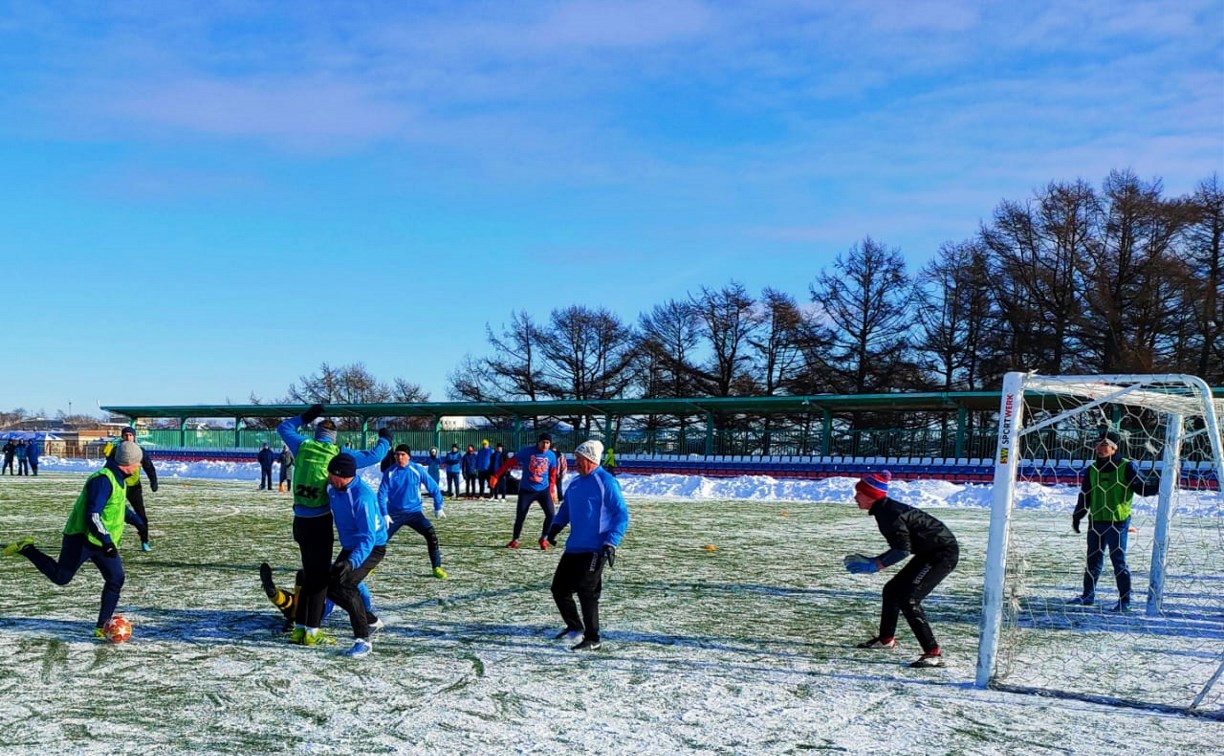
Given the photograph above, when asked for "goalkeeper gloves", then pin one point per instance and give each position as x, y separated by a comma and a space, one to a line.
609, 554
385, 433
860, 565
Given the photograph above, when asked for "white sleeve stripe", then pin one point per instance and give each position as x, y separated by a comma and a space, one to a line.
96, 518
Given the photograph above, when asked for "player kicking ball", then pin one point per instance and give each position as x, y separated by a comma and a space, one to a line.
908, 531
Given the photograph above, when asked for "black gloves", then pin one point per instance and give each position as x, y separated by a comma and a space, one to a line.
609, 554
552, 536
1075, 521
109, 551
341, 569
385, 433
153, 486
314, 413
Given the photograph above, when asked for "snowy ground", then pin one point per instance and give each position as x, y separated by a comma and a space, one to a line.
744, 648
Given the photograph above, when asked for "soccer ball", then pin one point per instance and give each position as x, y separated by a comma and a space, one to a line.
117, 629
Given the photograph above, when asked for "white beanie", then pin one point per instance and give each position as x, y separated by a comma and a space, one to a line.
591, 450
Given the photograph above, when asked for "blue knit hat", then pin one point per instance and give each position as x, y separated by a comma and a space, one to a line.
874, 485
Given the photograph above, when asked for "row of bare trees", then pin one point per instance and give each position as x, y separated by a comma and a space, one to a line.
1074, 279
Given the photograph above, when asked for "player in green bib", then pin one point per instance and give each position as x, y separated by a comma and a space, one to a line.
1109, 486
312, 517
93, 532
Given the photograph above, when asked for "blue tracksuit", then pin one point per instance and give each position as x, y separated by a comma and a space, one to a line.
359, 524
595, 511
399, 499
399, 492
484, 459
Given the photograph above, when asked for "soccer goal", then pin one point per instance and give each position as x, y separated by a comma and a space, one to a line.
1167, 651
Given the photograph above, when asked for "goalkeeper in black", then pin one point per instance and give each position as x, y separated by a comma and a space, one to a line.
907, 530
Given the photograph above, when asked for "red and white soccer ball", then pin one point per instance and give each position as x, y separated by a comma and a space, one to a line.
117, 629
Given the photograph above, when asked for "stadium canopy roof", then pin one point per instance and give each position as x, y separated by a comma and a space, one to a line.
819, 403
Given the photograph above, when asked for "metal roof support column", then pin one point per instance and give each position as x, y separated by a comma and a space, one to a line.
438, 433
709, 443
962, 416
826, 432
518, 432
183, 432
237, 430
365, 429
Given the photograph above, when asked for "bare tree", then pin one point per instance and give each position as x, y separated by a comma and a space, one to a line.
955, 311
1204, 250
864, 299
511, 373
727, 318
1038, 249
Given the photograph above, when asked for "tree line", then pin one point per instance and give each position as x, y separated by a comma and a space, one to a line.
1074, 279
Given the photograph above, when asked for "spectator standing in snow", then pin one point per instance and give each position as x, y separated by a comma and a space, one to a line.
907, 530
10, 452
286, 468
1109, 486
433, 465
454, 464
265, 457
22, 465
484, 467
598, 518
32, 455
495, 461
470, 472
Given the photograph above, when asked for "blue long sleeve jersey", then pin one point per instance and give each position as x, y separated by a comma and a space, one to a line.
595, 511
399, 491
453, 461
359, 524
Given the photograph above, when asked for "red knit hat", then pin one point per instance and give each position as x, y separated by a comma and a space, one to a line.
874, 485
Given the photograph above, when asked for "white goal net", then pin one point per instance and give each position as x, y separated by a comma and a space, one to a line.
1049, 627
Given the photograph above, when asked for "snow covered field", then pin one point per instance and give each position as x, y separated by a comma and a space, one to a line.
745, 648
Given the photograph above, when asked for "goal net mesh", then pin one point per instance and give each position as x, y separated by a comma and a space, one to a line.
1164, 650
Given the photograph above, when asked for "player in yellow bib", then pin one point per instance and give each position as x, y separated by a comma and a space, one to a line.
312, 517
93, 531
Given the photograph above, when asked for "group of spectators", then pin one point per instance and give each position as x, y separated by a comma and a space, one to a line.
267, 458
25, 454
475, 465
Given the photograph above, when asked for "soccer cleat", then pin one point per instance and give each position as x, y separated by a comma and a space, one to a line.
377, 625
929, 659
360, 648
297, 636
513, 544
543, 544
146, 546
587, 645
16, 547
99, 634
1082, 601
570, 635
439, 573
265, 580
318, 638
889, 643
1121, 606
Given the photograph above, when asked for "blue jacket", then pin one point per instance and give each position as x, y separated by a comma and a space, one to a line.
434, 466
32, 452
359, 524
484, 459
454, 461
399, 491
496, 459
266, 457
595, 511
469, 463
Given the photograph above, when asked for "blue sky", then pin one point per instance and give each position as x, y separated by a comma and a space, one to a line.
204, 200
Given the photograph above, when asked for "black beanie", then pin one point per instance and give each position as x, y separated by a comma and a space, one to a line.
343, 466
404, 448
545, 437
